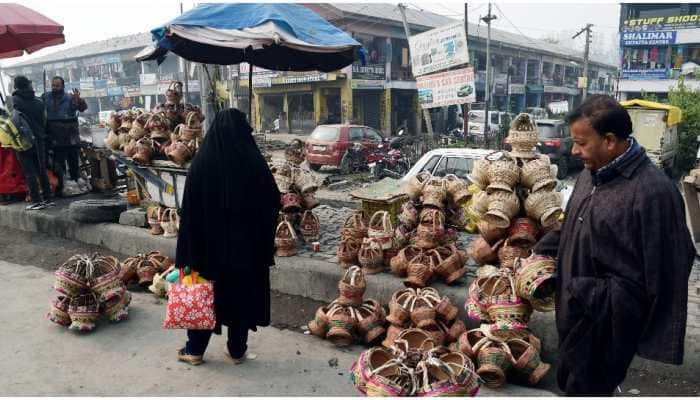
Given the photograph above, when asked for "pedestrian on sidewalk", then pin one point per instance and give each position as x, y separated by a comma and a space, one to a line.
227, 231
63, 130
624, 255
33, 160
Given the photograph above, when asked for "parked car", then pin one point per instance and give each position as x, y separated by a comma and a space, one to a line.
441, 162
476, 121
555, 142
328, 145
537, 113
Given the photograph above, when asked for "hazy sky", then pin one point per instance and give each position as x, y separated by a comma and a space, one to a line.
90, 20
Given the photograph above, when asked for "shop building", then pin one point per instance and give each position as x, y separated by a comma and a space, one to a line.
659, 44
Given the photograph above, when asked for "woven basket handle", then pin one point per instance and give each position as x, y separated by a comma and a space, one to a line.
378, 214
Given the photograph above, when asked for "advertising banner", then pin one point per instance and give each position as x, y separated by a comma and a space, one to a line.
673, 22
446, 88
439, 49
148, 79
642, 74
369, 72
649, 38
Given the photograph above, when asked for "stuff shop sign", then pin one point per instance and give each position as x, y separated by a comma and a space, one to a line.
653, 38
661, 23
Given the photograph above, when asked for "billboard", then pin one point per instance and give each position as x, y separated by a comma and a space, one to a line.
446, 88
673, 22
649, 38
438, 49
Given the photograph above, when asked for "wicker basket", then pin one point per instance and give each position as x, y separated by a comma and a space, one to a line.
371, 320
347, 251
431, 228
285, 240
83, 311
457, 189
537, 175
399, 263
523, 137
423, 314
291, 202
419, 271
310, 227
451, 264
413, 343
495, 361
504, 174
484, 253
58, 313
400, 306
341, 325
435, 193
490, 233
354, 227
527, 366
479, 204
409, 215
117, 309
534, 281
144, 151
508, 253
414, 188
480, 173
381, 229
319, 325
470, 342
544, 206
391, 334
455, 331
352, 287
371, 256
523, 232
379, 362
446, 310
465, 376
502, 207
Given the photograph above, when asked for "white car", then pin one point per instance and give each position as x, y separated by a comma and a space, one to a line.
440, 162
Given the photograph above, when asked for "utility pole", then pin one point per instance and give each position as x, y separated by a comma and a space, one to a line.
586, 29
487, 88
426, 113
186, 70
465, 107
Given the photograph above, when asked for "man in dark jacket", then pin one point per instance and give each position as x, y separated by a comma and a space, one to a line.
33, 161
61, 109
624, 257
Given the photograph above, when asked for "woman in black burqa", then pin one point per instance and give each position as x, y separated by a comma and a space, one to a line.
227, 232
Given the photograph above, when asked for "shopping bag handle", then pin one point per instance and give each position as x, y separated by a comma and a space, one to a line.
182, 275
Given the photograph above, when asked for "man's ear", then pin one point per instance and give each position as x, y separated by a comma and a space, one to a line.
610, 140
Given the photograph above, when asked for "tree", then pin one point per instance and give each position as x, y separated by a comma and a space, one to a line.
688, 100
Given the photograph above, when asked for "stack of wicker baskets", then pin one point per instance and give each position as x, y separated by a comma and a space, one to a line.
298, 189
89, 286
350, 317
414, 365
170, 131
425, 309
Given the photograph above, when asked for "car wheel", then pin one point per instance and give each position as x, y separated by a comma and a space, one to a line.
563, 168
315, 167
345, 164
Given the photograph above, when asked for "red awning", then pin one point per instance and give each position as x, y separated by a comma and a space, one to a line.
23, 29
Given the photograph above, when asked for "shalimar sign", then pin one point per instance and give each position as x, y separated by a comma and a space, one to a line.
648, 38
661, 23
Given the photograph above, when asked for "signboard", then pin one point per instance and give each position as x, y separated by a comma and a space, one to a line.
559, 107
101, 92
649, 38
87, 92
148, 79
500, 85
517, 88
661, 23
114, 91
535, 88
87, 84
369, 72
446, 88
366, 84
291, 79
642, 74
439, 49
132, 91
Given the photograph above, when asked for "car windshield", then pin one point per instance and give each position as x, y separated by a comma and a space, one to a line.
325, 133
548, 131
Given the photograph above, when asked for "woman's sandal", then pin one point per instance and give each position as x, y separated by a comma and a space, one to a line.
191, 359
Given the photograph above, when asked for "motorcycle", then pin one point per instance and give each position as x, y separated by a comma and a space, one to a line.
389, 160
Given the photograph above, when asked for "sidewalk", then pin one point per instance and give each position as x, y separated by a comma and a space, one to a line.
314, 276
137, 357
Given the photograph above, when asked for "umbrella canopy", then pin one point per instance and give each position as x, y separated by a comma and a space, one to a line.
23, 29
282, 37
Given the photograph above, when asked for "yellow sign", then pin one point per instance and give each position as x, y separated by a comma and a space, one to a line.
662, 23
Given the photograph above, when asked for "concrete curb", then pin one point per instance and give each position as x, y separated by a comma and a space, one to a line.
305, 276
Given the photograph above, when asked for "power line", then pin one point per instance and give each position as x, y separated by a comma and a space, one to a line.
513, 25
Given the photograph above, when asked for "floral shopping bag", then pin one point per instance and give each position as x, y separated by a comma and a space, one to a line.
190, 306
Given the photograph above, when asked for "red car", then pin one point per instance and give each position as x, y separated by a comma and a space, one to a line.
328, 144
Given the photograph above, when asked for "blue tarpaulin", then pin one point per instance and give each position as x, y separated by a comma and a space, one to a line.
284, 37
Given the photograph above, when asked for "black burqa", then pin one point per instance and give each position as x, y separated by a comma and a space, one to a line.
228, 218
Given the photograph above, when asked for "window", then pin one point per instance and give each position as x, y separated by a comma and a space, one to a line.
441, 169
494, 118
355, 134
459, 166
372, 135
431, 164
325, 133
548, 131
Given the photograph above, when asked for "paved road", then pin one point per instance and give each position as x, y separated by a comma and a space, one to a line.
137, 357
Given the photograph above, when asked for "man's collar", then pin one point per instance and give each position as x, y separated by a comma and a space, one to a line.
624, 165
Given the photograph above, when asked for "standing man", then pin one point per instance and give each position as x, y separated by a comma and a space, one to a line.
624, 255
64, 134
33, 160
